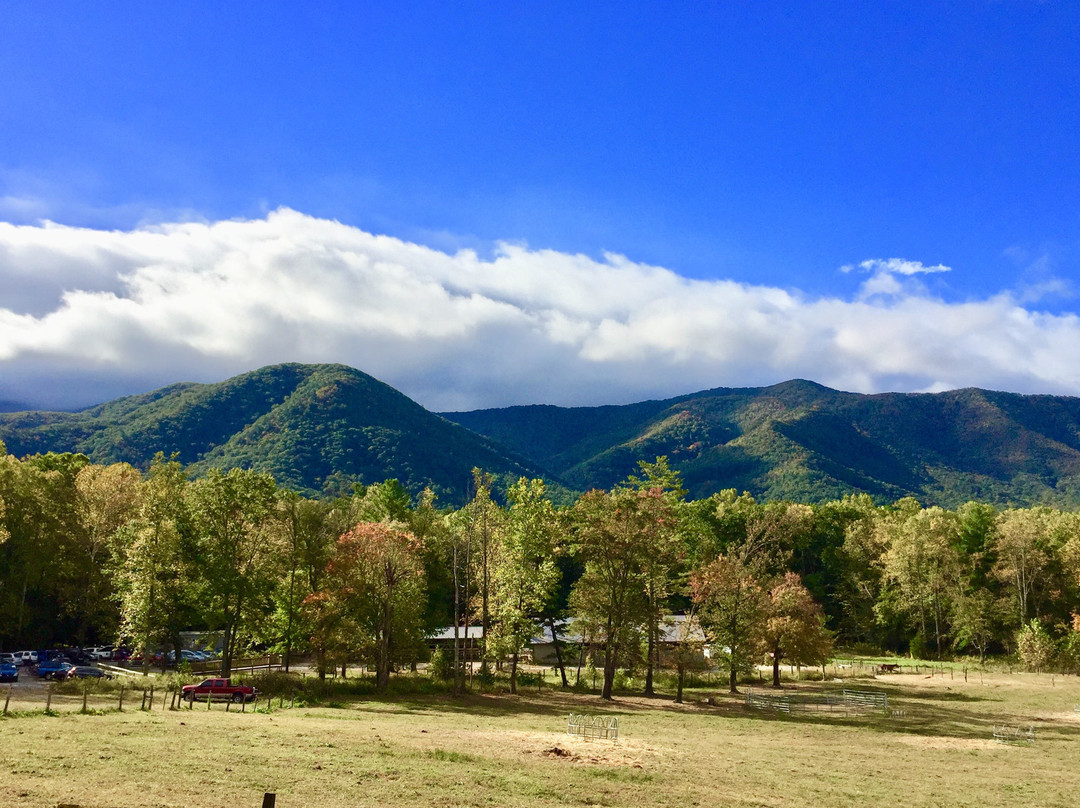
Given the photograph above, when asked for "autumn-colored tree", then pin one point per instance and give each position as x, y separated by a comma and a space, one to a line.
377, 577
732, 606
793, 628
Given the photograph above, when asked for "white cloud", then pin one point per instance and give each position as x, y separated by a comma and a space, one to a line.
897, 266
86, 314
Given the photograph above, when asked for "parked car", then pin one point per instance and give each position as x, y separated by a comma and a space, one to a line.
29, 657
185, 656
218, 689
13, 659
86, 672
9, 672
54, 668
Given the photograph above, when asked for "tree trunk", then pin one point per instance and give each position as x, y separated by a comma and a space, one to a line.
609, 673
649, 667
679, 686
558, 650
733, 678
776, 666
513, 673
459, 670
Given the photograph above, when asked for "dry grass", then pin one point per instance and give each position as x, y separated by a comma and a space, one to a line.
513, 751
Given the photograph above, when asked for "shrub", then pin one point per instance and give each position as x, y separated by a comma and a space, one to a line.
1034, 646
917, 647
441, 666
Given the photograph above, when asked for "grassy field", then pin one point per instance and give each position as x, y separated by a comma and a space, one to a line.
499, 750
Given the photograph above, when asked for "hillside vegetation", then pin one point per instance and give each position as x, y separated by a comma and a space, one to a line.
316, 428
802, 442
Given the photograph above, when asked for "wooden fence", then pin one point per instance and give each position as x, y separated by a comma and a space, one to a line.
51, 699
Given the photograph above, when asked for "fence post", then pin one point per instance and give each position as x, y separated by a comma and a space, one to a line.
85, 689
7, 701
207, 701
268, 799
120, 706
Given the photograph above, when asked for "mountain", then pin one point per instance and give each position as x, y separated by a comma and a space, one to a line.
314, 427
801, 441
318, 428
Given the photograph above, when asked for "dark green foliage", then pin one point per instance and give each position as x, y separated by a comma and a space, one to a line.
317, 428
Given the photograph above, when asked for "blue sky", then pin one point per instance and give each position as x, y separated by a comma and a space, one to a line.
769, 147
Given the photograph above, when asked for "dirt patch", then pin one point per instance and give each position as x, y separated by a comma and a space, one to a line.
946, 743
557, 751
557, 746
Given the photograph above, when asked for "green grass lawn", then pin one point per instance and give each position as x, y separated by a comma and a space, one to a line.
502, 750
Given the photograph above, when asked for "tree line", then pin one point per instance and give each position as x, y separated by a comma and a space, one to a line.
92, 553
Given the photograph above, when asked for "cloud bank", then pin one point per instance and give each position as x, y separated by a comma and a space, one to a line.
86, 315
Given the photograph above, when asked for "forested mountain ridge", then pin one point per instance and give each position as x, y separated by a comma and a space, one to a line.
803, 442
316, 428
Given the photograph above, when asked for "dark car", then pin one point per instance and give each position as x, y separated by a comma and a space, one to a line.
86, 672
9, 672
53, 668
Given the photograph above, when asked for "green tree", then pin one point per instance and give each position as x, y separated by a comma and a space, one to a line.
662, 524
238, 542
480, 521
612, 536
308, 539
151, 562
106, 498
1023, 551
923, 565
525, 571
975, 621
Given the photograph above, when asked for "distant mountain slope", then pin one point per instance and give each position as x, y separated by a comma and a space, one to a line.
320, 427
309, 425
801, 441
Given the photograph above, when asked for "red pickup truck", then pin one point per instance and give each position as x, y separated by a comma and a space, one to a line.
218, 690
